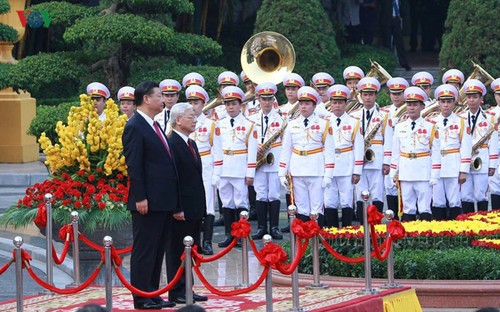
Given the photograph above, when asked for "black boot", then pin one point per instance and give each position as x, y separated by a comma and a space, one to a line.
408, 217
261, 208
359, 212
321, 220
302, 217
467, 207
482, 206
208, 231
229, 218
495, 201
286, 229
455, 212
220, 221
252, 213
425, 216
393, 204
438, 214
379, 205
274, 218
347, 216
332, 217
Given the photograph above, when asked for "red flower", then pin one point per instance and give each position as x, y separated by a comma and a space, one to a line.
98, 197
78, 205
101, 205
91, 178
81, 172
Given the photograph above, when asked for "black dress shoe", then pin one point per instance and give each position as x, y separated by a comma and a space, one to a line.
180, 299
276, 234
148, 305
207, 248
259, 234
164, 303
286, 229
197, 297
226, 241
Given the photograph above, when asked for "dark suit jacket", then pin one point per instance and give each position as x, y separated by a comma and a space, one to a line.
151, 170
191, 191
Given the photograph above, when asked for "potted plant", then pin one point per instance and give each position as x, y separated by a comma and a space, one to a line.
8, 34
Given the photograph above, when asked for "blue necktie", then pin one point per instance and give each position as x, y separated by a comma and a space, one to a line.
395, 6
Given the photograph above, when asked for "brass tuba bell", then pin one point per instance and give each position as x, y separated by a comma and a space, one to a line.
476, 164
267, 56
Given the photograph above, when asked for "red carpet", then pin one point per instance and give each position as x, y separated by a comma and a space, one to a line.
332, 299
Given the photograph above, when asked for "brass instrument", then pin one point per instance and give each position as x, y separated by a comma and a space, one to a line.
262, 158
400, 111
369, 154
477, 73
431, 109
478, 162
267, 56
213, 103
294, 112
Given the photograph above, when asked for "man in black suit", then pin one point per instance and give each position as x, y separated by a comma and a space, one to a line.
192, 202
391, 18
153, 193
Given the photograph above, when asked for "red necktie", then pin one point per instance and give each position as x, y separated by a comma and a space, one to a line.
191, 148
162, 138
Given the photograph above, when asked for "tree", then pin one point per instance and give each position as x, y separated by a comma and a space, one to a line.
7, 33
471, 34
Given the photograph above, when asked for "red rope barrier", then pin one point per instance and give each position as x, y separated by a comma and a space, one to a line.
386, 245
231, 292
341, 257
288, 269
151, 294
217, 256
256, 251
93, 245
64, 291
64, 252
6, 266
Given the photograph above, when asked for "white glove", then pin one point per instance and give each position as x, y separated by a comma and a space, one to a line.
327, 182
215, 180
392, 184
284, 182
433, 181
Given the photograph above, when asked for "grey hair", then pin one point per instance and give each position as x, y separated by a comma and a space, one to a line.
178, 110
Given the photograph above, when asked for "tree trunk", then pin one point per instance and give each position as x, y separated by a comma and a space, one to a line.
117, 68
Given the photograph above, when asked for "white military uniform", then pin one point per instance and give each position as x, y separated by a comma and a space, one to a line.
416, 159
456, 146
267, 182
284, 109
390, 188
349, 152
308, 155
321, 110
163, 118
372, 178
239, 148
208, 140
495, 179
251, 108
476, 187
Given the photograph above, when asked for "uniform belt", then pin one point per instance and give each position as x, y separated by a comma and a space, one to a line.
450, 151
235, 152
374, 142
277, 144
484, 145
415, 155
205, 153
309, 152
343, 150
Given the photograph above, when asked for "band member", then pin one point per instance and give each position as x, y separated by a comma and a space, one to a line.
416, 157
454, 77
349, 152
321, 82
239, 148
170, 90
99, 93
373, 124
193, 79
456, 145
224, 80
292, 82
207, 138
253, 106
495, 179
308, 155
397, 86
423, 80
484, 148
352, 75
126, 97
269, 126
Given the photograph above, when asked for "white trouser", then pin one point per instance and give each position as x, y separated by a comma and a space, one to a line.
233, 193
475, 188
390, 190
416, 192
267, 186
340, 194
372, 181
446, 188
495, 184
308, 194
210, 195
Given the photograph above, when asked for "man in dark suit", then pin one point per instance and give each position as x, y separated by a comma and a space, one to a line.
153, 193
192, 202
392, 20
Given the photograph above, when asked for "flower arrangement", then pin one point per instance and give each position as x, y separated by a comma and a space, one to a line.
88, 173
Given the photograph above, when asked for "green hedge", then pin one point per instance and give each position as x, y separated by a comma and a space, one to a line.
46, 119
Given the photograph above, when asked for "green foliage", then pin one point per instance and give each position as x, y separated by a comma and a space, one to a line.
8, 33
308, 28
158, 69
48, 75
4, 6
178, 6
64, 13
471, 35
5, 70
128, 29
186, 46
46, 119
